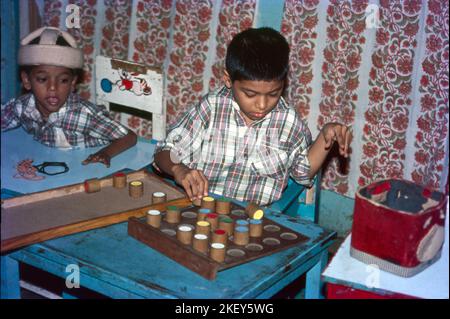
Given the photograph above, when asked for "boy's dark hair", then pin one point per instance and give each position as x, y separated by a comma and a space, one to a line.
258, 55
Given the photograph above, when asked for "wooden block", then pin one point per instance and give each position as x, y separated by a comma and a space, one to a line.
92, 185
119, 180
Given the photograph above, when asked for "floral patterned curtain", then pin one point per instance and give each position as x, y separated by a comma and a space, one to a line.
387, 78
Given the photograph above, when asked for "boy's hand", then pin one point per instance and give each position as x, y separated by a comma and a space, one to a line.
193, 181
99, 157
337, 132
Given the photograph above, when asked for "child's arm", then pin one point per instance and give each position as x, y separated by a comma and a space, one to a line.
330, 133
116, 147
193, 181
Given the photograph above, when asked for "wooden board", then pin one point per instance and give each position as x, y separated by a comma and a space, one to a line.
66, 210
202, 263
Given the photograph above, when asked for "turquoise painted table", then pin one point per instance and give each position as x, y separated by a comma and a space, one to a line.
116, 265
17, 145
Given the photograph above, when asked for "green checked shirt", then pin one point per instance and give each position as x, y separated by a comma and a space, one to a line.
248, 163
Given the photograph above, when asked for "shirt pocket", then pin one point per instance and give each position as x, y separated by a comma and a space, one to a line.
270, 162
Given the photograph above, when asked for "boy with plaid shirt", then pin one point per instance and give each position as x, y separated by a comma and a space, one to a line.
244, 141
49, 59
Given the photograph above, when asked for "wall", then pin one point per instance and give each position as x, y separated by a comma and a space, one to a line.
336, 212
10, 34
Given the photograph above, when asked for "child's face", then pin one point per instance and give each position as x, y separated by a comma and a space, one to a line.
51, 85
256, 99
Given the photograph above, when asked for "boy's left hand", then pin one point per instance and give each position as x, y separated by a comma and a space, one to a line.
337, 132
99, 157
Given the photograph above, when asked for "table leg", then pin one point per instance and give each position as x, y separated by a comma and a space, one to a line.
314, 284
10, 288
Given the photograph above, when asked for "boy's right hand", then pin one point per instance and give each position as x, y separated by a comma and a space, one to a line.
193, 181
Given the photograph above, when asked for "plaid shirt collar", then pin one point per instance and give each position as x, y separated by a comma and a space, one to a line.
33, 113
238, 113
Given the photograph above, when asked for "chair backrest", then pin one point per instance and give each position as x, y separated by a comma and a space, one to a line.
133, 85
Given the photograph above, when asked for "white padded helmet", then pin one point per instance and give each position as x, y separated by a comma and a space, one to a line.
48, 52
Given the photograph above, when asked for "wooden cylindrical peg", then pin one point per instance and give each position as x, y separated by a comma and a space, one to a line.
202, 213
173, 214
241, 222
136, 189
241, 236
213, 220
226, 223
119, 180
217, 252
184, 234
154, 218
203, 227
256, 228
159, 197
197, 202
209, 203
254, 211
223, 206
200, 243
92, 185
220, 236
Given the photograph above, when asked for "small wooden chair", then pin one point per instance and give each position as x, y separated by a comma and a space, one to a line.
133, 85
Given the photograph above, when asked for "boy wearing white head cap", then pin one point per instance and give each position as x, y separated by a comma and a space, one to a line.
57, 117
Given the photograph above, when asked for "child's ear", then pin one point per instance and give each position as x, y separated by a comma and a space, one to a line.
227, 80
25, 80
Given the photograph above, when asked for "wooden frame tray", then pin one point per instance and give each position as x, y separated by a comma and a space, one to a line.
67, 210
202, 263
